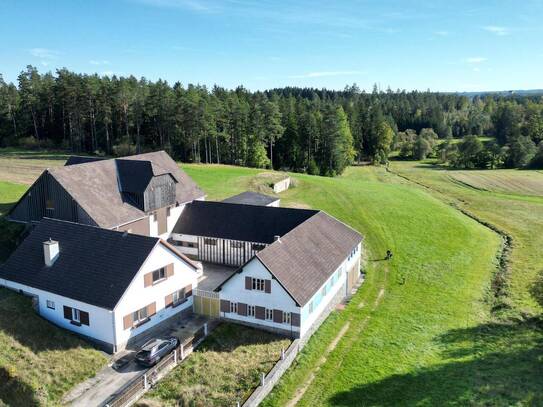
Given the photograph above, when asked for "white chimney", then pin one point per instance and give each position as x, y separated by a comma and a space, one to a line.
50, 251
277, 238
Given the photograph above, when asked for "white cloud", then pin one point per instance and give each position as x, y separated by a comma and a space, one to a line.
99, 62
327, 73
194, 5
496, 29
476, 60
44, 53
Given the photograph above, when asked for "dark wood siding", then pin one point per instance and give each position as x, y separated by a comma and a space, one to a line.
159, 193
84, 317
277, 316
33, 205
226, 251
295, 319
242, 309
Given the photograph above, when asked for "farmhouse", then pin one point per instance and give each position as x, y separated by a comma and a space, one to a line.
143, 194
123, 253
105, 285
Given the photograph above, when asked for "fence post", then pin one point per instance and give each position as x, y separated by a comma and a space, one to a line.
182, 352
175, 356
262, 379
237, 404
205, 329
282, 353
145, 384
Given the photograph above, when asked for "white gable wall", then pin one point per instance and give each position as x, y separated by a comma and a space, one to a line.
138, 296
234, 291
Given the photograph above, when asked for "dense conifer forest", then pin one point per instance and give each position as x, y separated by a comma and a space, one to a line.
317, 131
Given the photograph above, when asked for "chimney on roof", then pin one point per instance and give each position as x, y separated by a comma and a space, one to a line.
277, 238
51, 251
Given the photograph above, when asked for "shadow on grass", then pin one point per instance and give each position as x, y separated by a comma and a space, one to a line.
492, 365
19, 322
14, 392
537, 288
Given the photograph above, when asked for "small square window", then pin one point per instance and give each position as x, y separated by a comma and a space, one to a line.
311, 307
258, 284
159, 274
50, 304
210, 242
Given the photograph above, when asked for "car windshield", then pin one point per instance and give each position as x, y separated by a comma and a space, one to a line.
144, 353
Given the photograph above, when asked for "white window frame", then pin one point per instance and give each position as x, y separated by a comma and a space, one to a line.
258, 284
251, 311
234, 307
180, 297
50, 304
140, 315
287, 318
160, 271
268, 314
76, 315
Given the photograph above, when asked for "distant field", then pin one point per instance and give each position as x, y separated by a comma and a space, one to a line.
506, 181
24, 167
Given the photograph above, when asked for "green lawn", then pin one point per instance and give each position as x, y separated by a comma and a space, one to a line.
223, 370
432, 340
421, 329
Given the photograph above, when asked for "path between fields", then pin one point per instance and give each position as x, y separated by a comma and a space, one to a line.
300, 391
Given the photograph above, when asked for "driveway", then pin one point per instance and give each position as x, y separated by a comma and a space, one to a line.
123, 369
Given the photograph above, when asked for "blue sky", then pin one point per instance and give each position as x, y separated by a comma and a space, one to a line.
437, 45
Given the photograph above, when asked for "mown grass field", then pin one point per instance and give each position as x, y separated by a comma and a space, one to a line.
421, 330
505, 181
223, 370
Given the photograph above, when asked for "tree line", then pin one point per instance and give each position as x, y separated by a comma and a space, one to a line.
317, 131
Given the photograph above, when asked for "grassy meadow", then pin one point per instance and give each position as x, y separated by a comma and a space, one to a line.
422, 329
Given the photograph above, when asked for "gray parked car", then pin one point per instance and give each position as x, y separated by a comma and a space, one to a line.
154, 350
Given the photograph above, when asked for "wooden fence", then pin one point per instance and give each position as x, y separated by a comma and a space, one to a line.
134, 390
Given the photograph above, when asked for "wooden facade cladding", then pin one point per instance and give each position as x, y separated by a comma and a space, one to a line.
128, 321
227, 251
47, 191
160, 193
169, 270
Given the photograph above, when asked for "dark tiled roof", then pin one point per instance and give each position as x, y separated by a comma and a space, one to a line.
251, 198
239, 222
95, 187
308, 255
78, 159
95, 265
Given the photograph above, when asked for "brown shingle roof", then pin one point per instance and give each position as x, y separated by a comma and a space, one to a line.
95, 187
305, 258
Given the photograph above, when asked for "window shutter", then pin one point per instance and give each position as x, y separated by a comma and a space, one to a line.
169, 270
225, 306
188, 290
295, 319
168, 300
242, 309
267, 286
248, 283
128, 321
67, 313
277, 316
148, 280
84, 317
151, 309
260, 312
